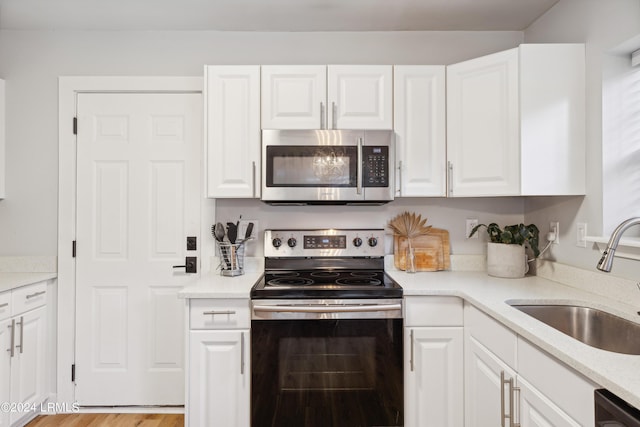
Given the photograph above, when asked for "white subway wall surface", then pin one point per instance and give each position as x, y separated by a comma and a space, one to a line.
603, 27
31, 63
450, 214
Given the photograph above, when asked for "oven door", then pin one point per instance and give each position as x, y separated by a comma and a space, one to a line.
326, 363
326, 166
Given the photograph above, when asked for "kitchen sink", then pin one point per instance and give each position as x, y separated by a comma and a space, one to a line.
591, 326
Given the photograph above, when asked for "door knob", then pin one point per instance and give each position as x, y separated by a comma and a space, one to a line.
191, 264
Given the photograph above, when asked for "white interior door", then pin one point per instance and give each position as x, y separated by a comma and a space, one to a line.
138, 199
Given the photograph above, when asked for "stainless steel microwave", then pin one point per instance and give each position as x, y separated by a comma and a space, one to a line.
328, 166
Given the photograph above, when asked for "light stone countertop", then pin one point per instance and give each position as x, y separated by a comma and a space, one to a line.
9, 281
617, 372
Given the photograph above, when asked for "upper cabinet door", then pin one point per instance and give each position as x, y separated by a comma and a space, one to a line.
294, 96
483, 132
552, 119
232, 129
420, 125
360, 96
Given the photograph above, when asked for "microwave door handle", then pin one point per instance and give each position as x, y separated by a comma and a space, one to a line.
359, 168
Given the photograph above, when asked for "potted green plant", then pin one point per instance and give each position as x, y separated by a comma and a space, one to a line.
506, 256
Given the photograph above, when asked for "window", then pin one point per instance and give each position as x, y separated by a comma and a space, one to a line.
621, 141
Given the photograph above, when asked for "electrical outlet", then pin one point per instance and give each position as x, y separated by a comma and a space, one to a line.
554, 227
581, 234
242, 228
471, 223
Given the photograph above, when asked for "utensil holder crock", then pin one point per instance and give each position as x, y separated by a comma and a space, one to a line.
231, 258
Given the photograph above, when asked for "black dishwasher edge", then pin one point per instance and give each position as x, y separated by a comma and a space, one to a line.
612, 404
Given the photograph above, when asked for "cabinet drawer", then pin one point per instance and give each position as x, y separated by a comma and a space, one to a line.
433, 311
29, 297
496, 337
219, 314
5, 305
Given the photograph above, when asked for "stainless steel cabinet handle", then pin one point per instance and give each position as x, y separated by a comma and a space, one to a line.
6, 304
35, 294
214, 312
502, 405
512, 391
450, 175
411, 356
21, 323
253, 178
359, 168
326, 308
516, 391
242, 353
334, 114
323, 123
400, 178
13, 337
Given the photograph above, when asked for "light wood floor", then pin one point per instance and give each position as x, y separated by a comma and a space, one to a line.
109, 420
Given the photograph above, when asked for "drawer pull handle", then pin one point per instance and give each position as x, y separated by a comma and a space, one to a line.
242, 353
35, 294
21, 323
214, 312
13, 338
6, 304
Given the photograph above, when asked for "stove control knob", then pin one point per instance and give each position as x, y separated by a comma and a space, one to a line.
292, 242
357, 242
277, 242
373, 241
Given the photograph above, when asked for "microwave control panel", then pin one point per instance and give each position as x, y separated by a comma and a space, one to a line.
375, 168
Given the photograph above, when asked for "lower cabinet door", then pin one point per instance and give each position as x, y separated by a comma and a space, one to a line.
434, 377
487, 398
536, 410
219, 378
28, 376
5, 368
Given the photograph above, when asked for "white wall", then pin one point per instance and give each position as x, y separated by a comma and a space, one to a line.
32, 61
603, 26
450, 214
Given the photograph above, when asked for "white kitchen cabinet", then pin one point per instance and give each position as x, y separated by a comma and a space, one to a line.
360, 96
219, 374
516, 122
419, 101
536, 410
433, 336
232, 131
28, 367
2, 139
5, 368
327, 97
490, 354
550, 388
23, 356
294, 96
509, 377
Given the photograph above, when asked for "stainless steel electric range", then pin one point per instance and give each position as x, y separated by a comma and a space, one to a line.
326, 338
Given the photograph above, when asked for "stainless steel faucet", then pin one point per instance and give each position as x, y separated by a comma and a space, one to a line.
606, 261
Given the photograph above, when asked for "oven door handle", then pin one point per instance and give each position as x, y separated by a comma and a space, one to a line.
328, 308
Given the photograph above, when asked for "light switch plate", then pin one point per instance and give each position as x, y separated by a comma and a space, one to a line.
581, 234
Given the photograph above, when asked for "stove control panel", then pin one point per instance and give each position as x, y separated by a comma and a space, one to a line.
324, 242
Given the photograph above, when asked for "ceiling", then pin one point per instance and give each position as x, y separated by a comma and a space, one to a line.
272, 15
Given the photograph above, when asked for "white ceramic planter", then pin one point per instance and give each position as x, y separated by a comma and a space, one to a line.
508, 261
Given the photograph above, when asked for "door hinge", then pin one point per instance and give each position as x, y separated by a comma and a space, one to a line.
73, 249
75, 125
73, 373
